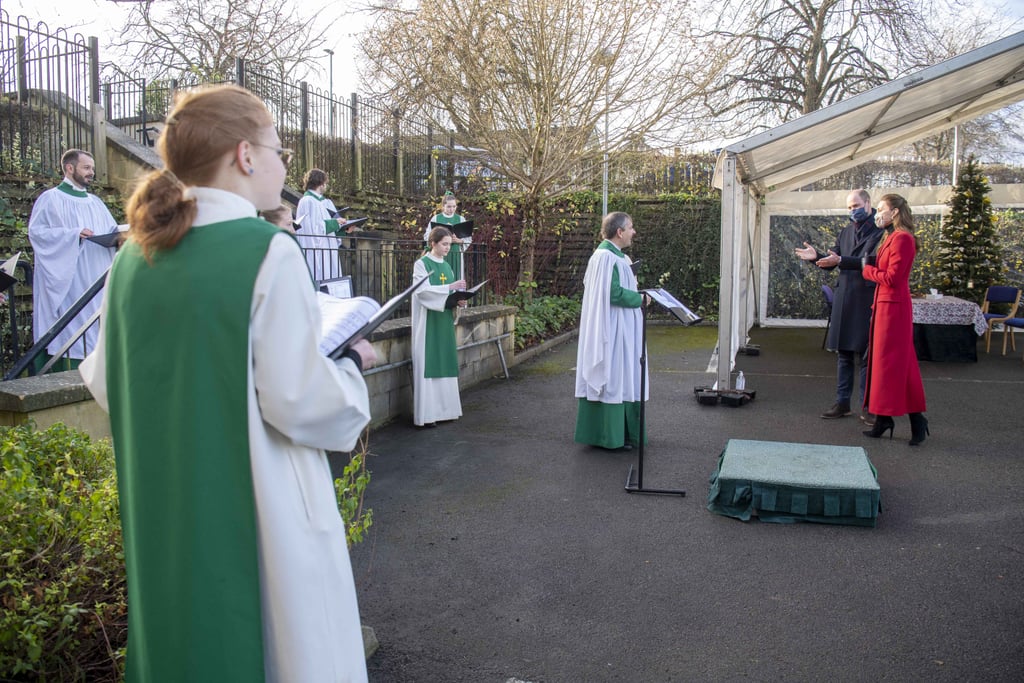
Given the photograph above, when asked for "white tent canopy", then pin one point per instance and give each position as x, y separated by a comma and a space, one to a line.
836, 138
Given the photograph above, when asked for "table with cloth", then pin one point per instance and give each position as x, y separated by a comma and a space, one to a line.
947, 329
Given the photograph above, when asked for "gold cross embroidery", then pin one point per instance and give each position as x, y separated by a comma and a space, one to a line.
444, 278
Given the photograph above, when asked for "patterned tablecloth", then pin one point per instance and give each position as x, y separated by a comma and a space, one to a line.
949, 310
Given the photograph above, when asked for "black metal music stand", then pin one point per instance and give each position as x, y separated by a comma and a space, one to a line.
638, 486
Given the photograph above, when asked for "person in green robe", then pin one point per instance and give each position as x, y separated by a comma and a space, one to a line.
221, 409
456, 255
435, 358
610, 343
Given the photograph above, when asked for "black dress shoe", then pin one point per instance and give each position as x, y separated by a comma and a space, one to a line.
868, 419
838, 410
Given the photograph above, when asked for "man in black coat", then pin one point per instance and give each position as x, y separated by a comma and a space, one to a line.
851, 307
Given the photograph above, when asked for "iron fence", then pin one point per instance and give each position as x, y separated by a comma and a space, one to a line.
382, 267
48, 81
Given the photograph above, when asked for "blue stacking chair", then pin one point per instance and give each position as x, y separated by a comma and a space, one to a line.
1008, 326
1000, 294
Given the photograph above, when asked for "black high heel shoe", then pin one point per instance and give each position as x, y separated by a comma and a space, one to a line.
918, 428
883, 424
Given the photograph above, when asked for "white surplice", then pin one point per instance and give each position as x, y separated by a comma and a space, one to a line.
322, 257
610, 339
65, 265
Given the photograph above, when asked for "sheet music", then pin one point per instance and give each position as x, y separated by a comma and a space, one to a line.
665, 299
342, 318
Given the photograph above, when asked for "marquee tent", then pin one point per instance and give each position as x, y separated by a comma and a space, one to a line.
753, 172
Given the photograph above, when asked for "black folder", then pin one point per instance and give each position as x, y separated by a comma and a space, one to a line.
7, 272
110, 240
380, 316
342, 227
462, 294
461, 230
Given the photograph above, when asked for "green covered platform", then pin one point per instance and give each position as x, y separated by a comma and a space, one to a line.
795, 482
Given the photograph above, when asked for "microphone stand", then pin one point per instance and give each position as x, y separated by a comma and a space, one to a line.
638, 487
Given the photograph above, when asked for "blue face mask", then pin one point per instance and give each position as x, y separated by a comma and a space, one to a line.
859, 215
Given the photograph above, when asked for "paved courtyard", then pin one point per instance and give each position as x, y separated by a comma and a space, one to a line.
502, 551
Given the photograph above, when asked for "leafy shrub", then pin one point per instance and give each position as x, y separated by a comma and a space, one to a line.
62, 589
542, 316
350, 490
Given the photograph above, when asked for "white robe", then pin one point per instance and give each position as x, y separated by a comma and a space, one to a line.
433, 398
322, 258
608, 355
300, 404
65, 265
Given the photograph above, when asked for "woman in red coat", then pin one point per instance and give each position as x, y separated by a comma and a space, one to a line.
894, 378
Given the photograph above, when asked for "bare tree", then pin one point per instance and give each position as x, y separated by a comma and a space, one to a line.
530, 85
170, 38
996, 135
797, 56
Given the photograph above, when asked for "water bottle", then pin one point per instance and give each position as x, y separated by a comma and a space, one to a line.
741, 382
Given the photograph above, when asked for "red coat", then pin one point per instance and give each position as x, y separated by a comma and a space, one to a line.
894, 378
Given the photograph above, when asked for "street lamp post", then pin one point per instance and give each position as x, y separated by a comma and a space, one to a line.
330, 87
604, 187
606, 57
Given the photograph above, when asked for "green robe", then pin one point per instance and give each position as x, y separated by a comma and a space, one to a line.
441, 357
605, 423
205, 623
454, 257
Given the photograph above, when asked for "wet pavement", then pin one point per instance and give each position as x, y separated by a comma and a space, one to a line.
502, 551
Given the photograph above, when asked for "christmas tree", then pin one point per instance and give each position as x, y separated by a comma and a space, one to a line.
969, 258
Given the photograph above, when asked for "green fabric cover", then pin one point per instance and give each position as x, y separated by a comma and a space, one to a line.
790, 482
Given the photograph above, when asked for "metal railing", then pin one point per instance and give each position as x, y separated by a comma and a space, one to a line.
379, 267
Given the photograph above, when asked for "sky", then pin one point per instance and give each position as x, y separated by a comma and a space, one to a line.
102, 17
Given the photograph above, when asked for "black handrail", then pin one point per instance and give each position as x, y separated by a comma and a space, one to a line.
26, 361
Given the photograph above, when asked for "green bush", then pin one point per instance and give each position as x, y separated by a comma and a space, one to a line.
62, 589
542, 317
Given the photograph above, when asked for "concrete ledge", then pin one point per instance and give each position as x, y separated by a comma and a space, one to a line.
52, 398
62, 396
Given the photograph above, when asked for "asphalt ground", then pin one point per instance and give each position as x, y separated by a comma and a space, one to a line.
502, 551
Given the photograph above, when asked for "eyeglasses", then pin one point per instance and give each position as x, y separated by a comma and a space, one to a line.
285, 154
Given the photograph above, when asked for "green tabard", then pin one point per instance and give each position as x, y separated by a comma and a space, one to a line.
454, 257
440, 357
177, 339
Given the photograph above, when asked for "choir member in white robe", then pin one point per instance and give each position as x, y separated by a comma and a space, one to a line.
435, 362
235, 548
65, 263
317, 216
610, 342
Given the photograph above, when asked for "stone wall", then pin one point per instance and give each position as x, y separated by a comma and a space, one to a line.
62, 396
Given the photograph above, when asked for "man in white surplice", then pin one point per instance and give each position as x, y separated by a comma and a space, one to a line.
611, 336
66, 263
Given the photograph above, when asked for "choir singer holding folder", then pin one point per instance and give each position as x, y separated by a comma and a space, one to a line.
221, 407
448, 217
67, 261
610, 345
435, 359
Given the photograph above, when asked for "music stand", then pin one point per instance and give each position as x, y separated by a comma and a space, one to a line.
687, 317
